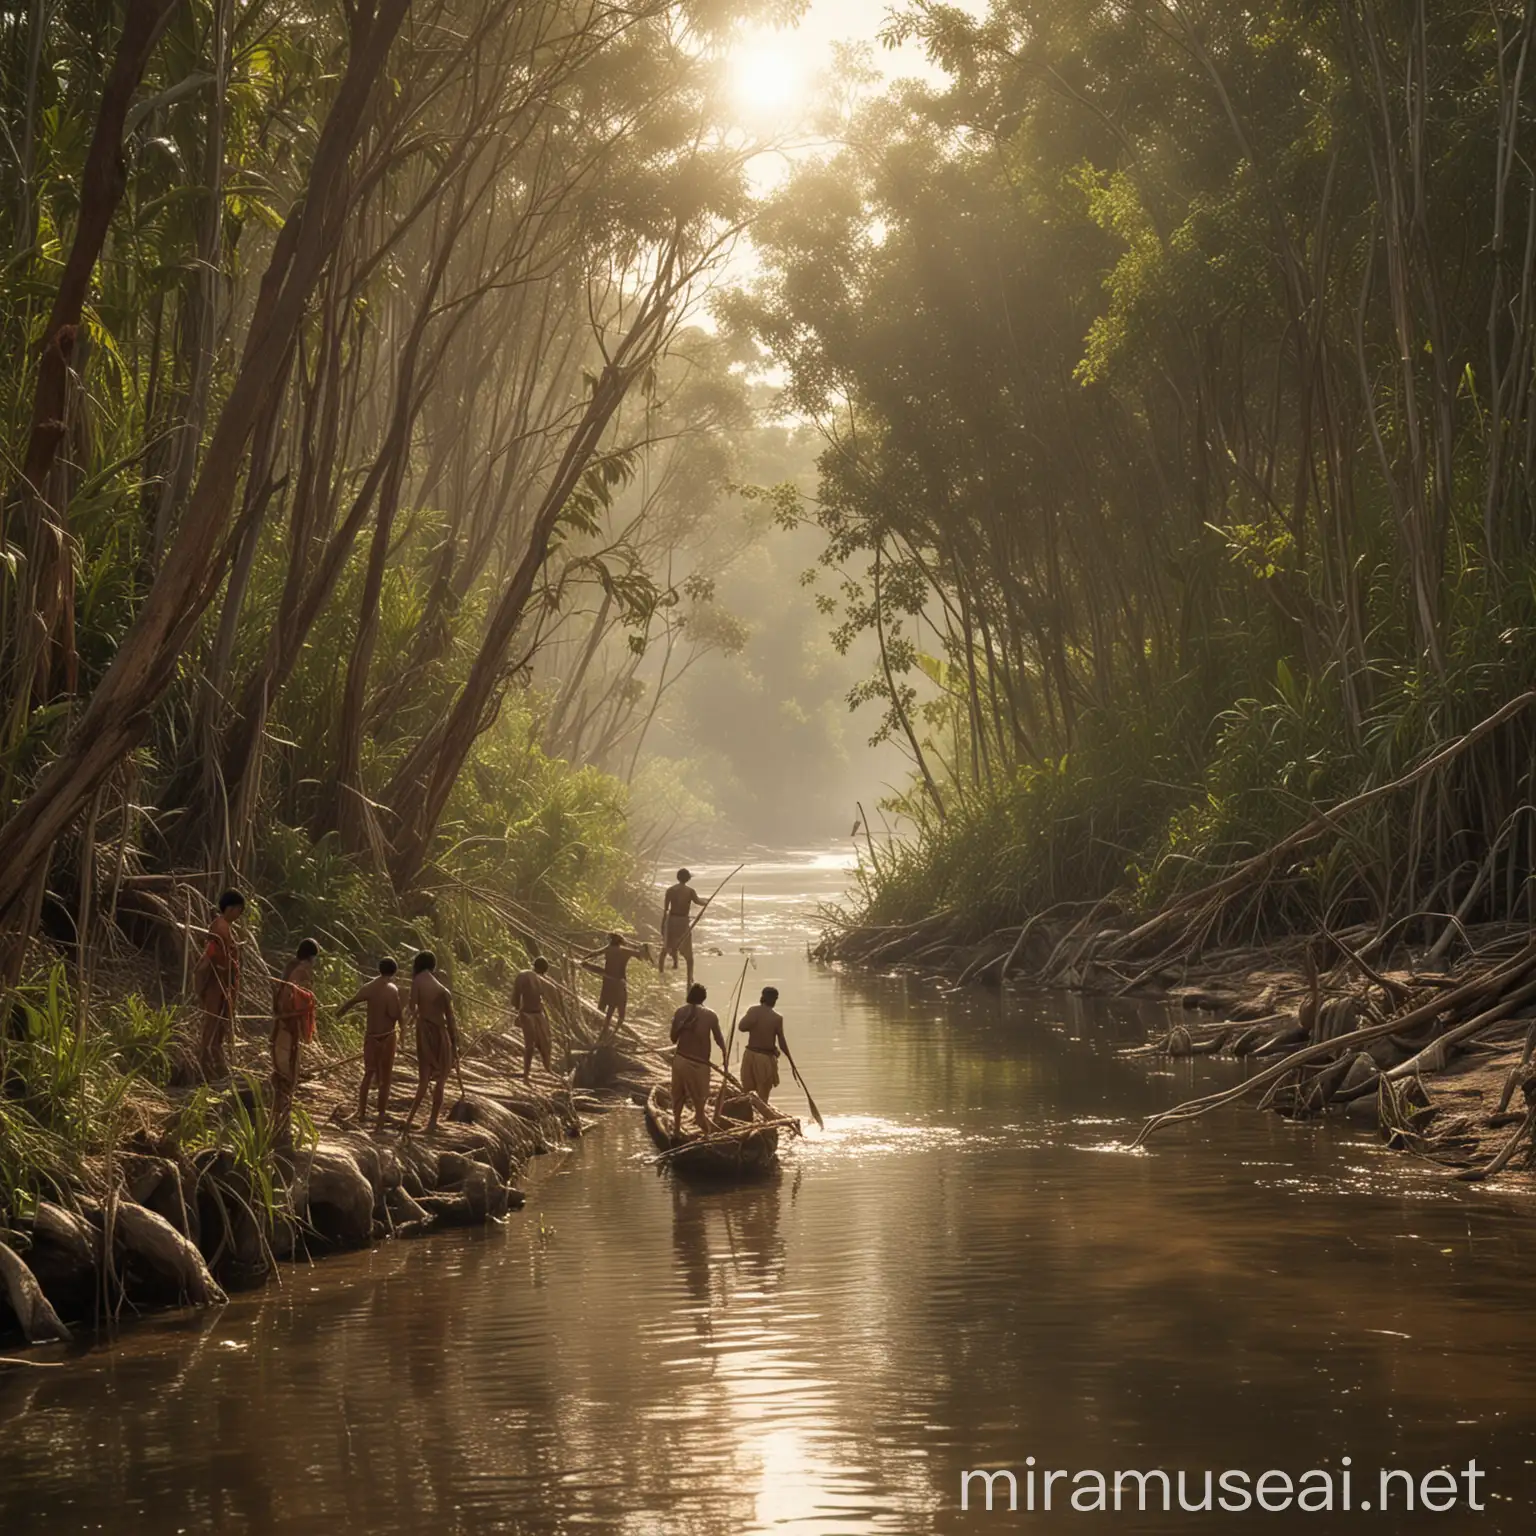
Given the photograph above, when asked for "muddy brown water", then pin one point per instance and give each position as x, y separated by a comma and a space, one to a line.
964, 1271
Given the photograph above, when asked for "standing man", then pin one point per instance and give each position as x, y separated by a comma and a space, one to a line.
764, 1030
693, 1025
528, 994
614, 971
216, 982
381, 998
437, 1036
677, 924
293, 1022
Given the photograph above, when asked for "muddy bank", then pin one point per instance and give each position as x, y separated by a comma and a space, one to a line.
1433, 1051
197, 1202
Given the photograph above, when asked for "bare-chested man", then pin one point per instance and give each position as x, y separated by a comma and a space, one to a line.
677, 922
381, 998
529, 990
293, 1022
216, 984
616, 955
437, 1036
692, 1027
764, 1030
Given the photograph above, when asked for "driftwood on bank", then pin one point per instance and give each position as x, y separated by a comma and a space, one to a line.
38, 1321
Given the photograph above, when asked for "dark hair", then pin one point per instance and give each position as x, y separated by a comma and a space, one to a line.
685, 874
425, 961
387, 967
231, 899
614, 938
308, 949
540, 964
697, 993
770, 996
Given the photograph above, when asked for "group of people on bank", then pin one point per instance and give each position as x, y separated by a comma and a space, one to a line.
429, 1004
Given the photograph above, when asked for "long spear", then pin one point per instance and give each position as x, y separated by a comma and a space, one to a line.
730, 1038
695, 923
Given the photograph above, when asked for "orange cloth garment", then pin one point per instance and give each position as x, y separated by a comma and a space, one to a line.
300, 1001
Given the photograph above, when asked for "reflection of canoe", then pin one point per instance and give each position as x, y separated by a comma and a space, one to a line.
739, 1157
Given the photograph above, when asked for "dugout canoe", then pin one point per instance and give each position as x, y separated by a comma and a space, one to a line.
742, 1156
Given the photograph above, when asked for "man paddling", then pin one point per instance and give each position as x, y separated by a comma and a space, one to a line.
437, 1036
381, 998
764, 1029
677, 923
528, 993
693, 1026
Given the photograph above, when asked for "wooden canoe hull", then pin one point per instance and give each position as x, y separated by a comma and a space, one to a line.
748, 1156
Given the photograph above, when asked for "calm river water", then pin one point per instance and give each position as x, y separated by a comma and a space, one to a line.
963, 1271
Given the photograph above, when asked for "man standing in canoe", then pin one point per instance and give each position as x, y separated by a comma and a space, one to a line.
381, 998
528, 994
616, 955
693, 1025
437, 1036
293, 1023
677, 922
764, 1029
216, 983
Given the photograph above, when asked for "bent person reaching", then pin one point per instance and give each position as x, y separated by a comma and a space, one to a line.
616, 955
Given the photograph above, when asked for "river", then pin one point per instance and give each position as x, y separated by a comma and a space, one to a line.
965, 1270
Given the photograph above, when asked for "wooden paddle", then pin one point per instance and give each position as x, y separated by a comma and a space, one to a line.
821, 1124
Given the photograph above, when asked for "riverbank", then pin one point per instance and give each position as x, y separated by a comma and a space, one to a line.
188, 1195
1435, 1054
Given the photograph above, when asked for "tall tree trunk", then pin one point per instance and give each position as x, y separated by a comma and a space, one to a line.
117, 716
47, 605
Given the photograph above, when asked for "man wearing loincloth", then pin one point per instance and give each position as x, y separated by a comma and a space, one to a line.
764, 1030
216, 984
381, 998
616, 955
693, 1025
437, 1036
677, 923
528, 994
293, 1023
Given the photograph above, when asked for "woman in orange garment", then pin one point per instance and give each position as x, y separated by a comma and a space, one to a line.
293, 1022
216, 983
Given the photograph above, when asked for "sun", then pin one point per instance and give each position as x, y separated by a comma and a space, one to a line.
768, 76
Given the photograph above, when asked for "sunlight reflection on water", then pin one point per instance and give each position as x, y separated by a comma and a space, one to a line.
948, 1276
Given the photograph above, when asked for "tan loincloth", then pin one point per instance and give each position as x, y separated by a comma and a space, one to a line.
690, 1085
535, 1028
679, 935
759, 1072
434, 1050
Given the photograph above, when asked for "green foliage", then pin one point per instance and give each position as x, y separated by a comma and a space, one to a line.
1178, 478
